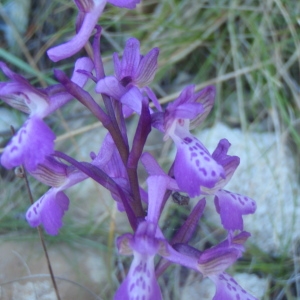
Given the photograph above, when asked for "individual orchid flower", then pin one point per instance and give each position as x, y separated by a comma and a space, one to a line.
213, 262
89, 13
35, 140
144, 245
50, 208
192, 159
140, 281
132, 75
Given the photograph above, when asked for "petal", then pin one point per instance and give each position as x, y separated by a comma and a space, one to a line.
153, 168
80, 39
157, 186
153, 98
83, 63
206, 97
140, 282
147, 68
111, 87
109, 159
193, 166
228, 288
151, 165
232, 207
51, 172
216, 260
32, 143
203, 99
20, 94
48, 211
188, 111
133, 99
123, 244
84, 5
10, 94
228, 162
130, 61
105, 153
157, 119
131, 4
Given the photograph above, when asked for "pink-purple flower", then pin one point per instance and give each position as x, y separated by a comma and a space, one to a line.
35, 140
133, 73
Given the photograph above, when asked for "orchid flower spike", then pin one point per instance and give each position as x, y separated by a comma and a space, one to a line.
89, 13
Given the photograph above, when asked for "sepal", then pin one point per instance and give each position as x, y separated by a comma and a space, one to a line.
51, 172
134, 68
89, 22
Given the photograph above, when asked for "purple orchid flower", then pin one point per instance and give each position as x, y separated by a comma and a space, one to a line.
89, 13
38, 103
144, 245
213, 262
132, 75
192, 160
140, 281
51, 207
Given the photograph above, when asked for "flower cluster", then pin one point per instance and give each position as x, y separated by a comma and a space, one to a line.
195, 171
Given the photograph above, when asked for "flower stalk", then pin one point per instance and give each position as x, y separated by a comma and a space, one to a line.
194, 173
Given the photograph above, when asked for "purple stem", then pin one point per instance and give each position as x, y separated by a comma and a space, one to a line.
139, 140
